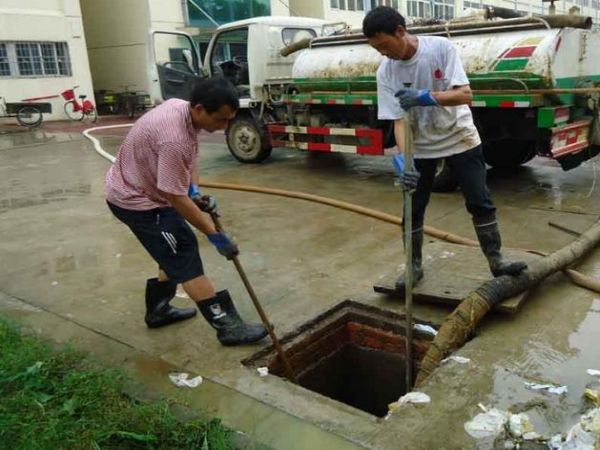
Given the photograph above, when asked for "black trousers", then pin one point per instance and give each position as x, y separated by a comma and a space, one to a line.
469, 169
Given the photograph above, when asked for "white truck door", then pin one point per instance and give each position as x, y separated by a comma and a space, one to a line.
227, 56
175, 64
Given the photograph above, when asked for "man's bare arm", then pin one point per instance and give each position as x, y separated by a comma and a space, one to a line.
459, 95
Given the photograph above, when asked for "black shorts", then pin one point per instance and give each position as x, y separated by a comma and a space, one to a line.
167, 237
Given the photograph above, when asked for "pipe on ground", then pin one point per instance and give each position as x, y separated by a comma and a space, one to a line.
461, 323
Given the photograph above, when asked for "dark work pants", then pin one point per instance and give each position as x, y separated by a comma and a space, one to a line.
469, 169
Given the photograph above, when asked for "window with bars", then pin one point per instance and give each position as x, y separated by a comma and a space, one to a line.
4, 65
34, 59
444, 9
393, 3
419, 8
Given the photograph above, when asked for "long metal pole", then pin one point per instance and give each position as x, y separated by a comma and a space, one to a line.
263, 317
408, 248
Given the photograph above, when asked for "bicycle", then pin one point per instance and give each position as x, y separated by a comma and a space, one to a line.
76, 110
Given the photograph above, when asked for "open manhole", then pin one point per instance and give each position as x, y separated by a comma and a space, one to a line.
352, 353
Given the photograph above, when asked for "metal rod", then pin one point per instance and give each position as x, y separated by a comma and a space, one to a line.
487, 91
533, 91
408, 248
284, 360
565, 229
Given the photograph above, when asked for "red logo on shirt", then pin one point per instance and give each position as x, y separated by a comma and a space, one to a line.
438, 74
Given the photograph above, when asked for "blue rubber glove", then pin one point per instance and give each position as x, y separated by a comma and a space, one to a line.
206, 203
224, 244
194, 191
408, 179
410, 98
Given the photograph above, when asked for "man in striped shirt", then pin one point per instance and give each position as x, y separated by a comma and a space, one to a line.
149, 187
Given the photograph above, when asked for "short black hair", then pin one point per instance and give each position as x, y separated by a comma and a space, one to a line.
212, 93
382, 19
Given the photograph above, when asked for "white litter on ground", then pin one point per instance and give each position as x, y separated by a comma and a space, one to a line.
487, 424
593, 372
263, 371
425, 329
458, 359
182, 380
550, 388
412, 397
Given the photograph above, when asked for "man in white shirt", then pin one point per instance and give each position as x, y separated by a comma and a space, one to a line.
425, 74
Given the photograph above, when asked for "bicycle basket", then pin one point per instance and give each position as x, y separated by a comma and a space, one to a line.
69, 94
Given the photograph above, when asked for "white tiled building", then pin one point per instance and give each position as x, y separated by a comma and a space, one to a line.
42, 51
353, 11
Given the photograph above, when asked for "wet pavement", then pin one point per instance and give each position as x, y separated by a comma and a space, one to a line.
74, 273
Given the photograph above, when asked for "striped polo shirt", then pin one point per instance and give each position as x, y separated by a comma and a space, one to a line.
158, 155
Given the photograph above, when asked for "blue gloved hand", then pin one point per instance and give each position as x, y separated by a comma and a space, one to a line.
206, 203
410, 98
408, 179
224, 244
194, 191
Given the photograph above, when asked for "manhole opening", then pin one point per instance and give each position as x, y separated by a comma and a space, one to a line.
352, 353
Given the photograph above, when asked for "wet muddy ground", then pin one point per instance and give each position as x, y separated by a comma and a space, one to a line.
73, 273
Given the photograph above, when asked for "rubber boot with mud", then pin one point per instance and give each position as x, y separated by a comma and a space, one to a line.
221, 314
417, 262
490, 241
158, 310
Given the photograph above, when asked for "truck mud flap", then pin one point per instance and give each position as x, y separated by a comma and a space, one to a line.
570, 144
362, 141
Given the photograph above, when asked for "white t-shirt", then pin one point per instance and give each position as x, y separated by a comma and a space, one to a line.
438, 131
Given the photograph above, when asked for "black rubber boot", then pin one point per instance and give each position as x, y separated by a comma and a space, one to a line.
158, 310
221, 314
490, 242
417, 262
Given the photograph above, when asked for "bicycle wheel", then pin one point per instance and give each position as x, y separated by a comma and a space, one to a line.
29, 116
71, 112
91, 115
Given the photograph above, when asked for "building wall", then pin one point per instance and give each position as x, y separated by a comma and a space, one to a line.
279, 8
116, 33
45, 21
324, 9
309, 8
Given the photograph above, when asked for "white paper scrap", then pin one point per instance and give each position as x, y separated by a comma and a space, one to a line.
263, 371
425, 329
593, 372
458, 359
182, 380
550, 388
490, 423
414, 397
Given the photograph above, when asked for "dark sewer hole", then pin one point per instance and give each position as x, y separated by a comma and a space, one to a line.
353, 353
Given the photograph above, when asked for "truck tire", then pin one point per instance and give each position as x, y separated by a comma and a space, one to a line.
247, 140
444, 180
508, 153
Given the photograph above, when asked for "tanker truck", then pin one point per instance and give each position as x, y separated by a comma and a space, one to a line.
535, 82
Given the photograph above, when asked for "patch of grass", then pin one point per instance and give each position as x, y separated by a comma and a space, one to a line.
54, 399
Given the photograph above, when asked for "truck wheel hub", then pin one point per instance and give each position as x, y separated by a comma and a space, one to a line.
245, 139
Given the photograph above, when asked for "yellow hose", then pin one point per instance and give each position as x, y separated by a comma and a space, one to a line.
577, 278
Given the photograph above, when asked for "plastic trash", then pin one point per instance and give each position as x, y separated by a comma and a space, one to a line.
582, 436
425, 329
550, 388
487, 424
593, 372
263, 371
593, 395
182, 380
578, 439
414, 397
458, 359
591, 422
555, 442
411, 397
